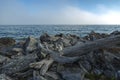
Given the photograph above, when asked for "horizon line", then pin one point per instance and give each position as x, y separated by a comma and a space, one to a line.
56, 24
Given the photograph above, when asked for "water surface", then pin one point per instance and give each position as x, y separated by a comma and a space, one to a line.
23, 31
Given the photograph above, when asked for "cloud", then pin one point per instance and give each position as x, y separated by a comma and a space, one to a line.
78, 16
13, 12
111, 17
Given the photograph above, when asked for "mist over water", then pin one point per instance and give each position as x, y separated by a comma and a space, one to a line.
23, 31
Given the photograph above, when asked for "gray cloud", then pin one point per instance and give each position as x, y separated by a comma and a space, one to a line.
12, 12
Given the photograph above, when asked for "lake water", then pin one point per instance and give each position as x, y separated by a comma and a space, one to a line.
23, 31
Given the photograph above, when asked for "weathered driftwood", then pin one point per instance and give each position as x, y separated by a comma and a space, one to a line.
18, 64
78, 50
57, 57
71, 72
37, 76
42, 65
24, 74
7, 51
53, 75
5, 77
30, 45
3, 59
49, 62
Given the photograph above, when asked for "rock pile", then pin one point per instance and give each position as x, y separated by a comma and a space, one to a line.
61, 57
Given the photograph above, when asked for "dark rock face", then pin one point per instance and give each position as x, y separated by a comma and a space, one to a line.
43, 59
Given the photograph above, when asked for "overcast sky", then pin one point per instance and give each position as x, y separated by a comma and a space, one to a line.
20, 12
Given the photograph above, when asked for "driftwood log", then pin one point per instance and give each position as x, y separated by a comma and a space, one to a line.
18, 64
78, 50
73, 52
53, 60
57, 56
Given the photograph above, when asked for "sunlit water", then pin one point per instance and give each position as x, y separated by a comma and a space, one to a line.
23, 31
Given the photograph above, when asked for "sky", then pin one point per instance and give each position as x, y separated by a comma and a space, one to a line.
35, 12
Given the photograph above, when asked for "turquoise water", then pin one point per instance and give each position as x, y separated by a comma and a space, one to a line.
23, 31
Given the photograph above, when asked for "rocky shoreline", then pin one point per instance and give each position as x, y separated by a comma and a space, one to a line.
61, 57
